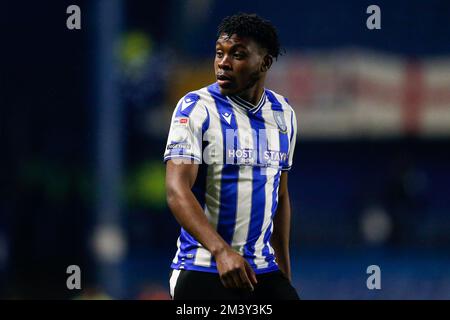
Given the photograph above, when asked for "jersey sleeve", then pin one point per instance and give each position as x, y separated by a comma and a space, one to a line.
292, 140
184, 142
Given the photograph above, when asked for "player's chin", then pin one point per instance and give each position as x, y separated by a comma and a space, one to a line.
227, 87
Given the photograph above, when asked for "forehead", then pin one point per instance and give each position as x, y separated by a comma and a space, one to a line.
235, 40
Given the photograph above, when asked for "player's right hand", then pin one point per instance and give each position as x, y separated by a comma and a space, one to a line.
234, 270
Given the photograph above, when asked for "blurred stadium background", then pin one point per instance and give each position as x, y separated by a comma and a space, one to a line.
85, 113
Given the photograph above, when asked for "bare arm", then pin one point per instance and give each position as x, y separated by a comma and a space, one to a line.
233, 269
281, 227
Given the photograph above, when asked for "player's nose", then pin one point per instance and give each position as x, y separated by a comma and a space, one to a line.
225, 62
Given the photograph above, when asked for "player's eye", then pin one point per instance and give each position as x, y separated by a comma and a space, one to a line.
239, 55
219, 54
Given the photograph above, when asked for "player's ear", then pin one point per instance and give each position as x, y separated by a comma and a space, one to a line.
267, 62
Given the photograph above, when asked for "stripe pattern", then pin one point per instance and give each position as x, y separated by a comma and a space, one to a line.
243, 149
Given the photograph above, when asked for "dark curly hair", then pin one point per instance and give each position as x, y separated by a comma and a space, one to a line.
253, 26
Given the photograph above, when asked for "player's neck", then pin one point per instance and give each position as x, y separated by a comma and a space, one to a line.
253, 94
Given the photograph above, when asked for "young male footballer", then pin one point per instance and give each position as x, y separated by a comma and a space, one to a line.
228, 154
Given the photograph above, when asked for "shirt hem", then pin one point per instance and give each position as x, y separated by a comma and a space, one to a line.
214, 269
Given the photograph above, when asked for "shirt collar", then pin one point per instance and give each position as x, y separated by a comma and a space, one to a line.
247, 105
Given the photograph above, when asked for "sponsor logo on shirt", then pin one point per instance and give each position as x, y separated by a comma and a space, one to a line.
178, 145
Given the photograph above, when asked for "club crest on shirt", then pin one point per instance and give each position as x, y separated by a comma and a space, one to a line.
279, 119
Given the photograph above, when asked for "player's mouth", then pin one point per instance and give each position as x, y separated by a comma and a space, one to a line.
224, 80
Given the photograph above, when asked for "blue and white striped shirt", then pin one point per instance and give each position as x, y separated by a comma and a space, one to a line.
242, 149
